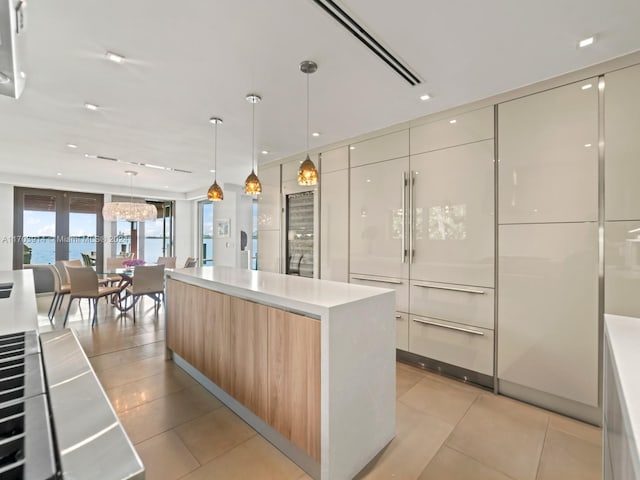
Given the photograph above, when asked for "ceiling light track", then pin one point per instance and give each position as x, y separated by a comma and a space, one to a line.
353, 27
137, 164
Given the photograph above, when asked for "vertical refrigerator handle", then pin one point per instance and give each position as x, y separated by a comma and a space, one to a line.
412, 252
404, 217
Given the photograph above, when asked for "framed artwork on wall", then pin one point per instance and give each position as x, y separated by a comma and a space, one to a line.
223, 227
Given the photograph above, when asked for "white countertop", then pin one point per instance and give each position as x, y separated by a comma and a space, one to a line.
624, 338
19, 312
300, 290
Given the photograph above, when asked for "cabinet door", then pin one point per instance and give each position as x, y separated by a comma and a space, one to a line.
455, 130
453, 218
216, 364
622, 268
377, 221
622, 148
548, 151
386, 147
294, 379
246, 379
334, 225
269, 199
548, 309
269, 250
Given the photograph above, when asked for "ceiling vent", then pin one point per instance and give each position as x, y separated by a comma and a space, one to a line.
11, 45
355, 29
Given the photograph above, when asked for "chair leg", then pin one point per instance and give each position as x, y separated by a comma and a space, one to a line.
95, 311
60, 299
54, 300
66, 315
134, 309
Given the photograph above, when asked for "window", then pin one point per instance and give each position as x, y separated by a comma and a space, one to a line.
205, 232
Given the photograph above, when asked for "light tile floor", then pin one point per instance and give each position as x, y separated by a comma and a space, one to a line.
446, 430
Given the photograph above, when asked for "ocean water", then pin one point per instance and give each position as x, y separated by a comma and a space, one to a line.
43, 250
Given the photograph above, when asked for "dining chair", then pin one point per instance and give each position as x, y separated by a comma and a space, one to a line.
87, 260
169, 262
147, 280
191, 262
60, 289
84, 284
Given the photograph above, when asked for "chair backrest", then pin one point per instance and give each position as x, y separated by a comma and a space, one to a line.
64, 264
84, 281
43, 277
190, 262
148, 279
169, 262
86, 260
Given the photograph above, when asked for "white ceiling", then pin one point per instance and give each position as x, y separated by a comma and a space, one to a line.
188, 61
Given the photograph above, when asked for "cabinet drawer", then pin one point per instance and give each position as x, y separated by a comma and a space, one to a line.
401, 286
402, 331
386, 147
453, 343
455, 303
456, 130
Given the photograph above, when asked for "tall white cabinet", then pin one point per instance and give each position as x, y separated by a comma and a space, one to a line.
548, 247
622, 195
334, 215
269, 220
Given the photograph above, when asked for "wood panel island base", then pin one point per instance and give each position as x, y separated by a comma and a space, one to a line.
310, 364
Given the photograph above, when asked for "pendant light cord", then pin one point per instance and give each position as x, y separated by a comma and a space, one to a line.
307, 114
215, 153
253, 133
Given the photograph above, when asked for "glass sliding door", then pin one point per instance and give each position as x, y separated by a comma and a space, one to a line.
51, 225
158, 235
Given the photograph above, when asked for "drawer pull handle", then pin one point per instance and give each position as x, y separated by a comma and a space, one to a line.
450, 327
393, 282
453, 289
398, 317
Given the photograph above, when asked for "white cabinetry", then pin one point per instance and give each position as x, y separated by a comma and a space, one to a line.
548, 248
269, 219
549, 156
548, 309
385, 147
334, 215
378, 241
622, 149
453, 197
622, 268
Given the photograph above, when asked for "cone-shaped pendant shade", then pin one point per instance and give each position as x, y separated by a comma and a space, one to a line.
215, 192
252, 185
307, 173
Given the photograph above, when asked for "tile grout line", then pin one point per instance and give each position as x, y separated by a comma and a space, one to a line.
544, 444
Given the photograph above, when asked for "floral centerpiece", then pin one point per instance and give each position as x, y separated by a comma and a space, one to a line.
133, 262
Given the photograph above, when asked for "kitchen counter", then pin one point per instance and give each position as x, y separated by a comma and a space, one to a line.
310, 364
621, 410
19, 312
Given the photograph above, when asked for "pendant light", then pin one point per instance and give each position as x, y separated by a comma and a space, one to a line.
215, 193
129, 211
307, 173
252, 184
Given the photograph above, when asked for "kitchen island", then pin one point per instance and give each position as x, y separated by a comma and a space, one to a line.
310, 364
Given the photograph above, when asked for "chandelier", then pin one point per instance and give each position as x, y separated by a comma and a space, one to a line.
129, 211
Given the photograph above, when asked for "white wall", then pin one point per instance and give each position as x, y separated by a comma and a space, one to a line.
236, 207
6, 227
185, 230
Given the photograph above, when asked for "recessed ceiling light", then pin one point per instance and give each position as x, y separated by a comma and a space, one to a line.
587, 145
352, 147
90, 106
72, 145
586, 87
265, 152
114, 57
157, 167
88, 155
315, 134
585, 42
453, 121
212, 171
58, 173
424, 97
166, 186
